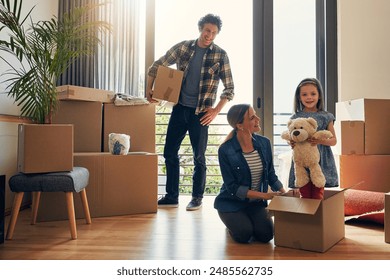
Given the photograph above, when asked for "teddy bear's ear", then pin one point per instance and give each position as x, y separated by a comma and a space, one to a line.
289, 123
312, 122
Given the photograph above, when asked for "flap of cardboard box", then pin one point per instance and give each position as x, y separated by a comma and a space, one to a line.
294, 205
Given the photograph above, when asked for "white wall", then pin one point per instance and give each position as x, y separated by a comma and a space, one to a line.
44, 9
363, 49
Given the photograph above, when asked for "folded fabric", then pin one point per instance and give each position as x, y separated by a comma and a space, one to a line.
128, 100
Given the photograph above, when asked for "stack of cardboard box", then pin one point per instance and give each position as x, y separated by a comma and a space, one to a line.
363, 128
119, 184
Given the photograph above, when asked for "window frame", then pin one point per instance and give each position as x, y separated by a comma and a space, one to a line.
326, 58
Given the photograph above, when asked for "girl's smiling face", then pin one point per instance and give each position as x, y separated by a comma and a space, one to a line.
309, 97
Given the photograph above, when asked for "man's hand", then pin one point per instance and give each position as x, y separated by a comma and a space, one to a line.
209, 116
149, 96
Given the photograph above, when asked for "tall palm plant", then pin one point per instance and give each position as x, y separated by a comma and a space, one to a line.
44, 50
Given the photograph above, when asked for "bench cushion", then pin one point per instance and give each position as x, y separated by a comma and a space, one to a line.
75, 180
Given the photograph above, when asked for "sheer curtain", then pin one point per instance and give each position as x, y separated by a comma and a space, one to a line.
117, 63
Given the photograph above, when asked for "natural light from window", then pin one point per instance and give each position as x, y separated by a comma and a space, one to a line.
177, 20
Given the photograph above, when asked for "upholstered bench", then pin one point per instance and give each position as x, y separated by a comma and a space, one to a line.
68, 182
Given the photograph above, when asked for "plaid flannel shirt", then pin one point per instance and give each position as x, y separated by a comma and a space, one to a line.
215, 67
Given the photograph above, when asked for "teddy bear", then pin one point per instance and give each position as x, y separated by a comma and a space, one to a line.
306, 155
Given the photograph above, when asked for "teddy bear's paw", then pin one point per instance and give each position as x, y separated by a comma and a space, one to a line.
319, 182
323, 134
300, 182
286, 135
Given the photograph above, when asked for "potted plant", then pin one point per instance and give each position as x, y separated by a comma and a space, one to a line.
43, 50
37, 54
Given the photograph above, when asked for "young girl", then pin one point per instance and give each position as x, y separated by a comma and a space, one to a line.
246, 163
309, 102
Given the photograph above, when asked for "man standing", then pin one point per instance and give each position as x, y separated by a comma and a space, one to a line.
204, 64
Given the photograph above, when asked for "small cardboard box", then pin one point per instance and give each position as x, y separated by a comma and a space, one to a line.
118, 185
309, 224
69, 92
87, 120
167, 84
352, 137
387, 217
366, 172
137, 121
376, 115
45, 148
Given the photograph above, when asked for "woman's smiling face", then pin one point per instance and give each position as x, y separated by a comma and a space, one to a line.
251, 121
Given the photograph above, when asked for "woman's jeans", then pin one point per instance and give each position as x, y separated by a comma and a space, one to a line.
252, 222
183, 119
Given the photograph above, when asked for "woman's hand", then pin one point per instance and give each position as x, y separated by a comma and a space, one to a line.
269, 195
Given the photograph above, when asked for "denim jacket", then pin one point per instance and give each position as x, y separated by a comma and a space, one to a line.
237, 176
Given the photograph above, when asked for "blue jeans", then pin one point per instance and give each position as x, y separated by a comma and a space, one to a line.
183, 119
253, 221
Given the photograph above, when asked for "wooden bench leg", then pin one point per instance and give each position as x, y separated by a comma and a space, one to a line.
36, 196
14, 214
84, 201
71, 214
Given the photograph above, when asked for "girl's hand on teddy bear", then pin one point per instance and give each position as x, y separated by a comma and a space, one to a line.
291, 143
313, 141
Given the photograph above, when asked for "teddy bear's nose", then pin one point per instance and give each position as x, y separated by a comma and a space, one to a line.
296, 133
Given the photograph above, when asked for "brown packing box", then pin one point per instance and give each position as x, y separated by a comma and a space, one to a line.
309, 224
366, 172
45, 148
69, 92
118, 185
376, 115
87, 119
137, 121
387, 217
167, 84
352, 137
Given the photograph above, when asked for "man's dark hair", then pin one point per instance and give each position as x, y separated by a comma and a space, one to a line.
210, 18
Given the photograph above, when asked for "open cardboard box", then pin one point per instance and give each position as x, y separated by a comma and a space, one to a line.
309, 224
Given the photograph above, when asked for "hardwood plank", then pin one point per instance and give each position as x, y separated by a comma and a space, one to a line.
171, 234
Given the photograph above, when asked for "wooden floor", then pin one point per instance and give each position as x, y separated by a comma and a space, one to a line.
171, 234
